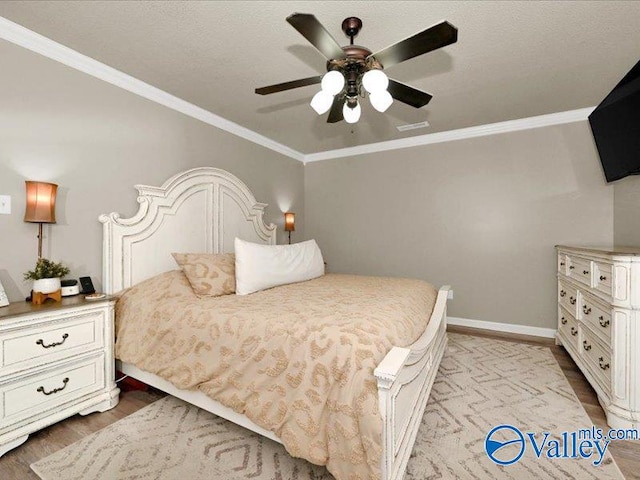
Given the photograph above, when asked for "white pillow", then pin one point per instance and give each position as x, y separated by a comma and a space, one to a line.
264, 266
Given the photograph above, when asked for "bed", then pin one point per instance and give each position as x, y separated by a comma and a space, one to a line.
203, 210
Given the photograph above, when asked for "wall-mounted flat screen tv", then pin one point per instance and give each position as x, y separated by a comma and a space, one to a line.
615, 124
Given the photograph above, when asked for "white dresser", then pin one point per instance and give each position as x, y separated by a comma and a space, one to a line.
599, 324
56, 360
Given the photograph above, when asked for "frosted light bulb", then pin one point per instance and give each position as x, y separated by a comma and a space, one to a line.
351, 115
321, 102
375, 81
332, 82
381, 100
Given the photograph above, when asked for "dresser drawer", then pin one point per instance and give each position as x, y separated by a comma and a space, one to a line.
568, 326
562, 264
602, 277
568, 297
49, 389
51, 342
597, 316
579, 270
598, 359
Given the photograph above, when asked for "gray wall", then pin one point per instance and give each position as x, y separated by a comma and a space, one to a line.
96, 141
626, 203
481, 214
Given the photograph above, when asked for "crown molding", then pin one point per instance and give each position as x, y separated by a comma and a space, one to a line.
19, 35
460, 134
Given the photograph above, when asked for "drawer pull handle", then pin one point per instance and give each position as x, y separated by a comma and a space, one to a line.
571, 267
562, 264
585, 272
586, 310
603, 365
55, 390
574, 331
562, 293
586, 346
602, 278
603, 323
572, 300
563, 321
54, 344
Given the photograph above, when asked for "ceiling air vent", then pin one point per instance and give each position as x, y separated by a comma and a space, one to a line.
412, 126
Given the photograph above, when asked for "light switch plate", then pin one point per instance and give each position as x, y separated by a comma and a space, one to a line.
5, 205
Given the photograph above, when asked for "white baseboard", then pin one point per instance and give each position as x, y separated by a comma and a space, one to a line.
503, 327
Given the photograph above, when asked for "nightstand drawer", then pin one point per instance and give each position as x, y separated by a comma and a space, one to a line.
52, 341
37, 393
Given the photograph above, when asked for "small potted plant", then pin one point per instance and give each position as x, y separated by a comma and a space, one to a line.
46, 276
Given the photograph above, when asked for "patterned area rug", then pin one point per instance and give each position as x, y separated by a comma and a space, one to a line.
482, 383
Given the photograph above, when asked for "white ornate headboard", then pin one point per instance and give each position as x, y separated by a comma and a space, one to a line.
200, 210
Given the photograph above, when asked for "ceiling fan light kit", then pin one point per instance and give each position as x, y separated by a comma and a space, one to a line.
352, 69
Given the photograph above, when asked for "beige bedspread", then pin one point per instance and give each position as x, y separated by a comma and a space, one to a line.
297, 359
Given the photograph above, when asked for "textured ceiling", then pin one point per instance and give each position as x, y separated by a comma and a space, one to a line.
512, 59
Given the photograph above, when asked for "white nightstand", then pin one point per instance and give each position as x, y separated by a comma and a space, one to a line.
56, 360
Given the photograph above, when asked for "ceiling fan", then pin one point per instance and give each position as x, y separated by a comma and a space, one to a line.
352, 68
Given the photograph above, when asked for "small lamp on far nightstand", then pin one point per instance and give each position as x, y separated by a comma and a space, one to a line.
289, 223
41, 206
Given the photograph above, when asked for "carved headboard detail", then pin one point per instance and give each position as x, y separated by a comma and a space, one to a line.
199, 210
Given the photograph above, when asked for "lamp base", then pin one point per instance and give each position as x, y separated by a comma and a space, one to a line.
38, 298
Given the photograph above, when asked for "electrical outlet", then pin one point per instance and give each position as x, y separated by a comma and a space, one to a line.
5, 205
450, 294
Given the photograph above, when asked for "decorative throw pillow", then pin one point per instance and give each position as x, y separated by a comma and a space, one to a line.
264, 266
210, 274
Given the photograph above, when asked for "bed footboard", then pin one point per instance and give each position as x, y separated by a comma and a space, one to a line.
405, 377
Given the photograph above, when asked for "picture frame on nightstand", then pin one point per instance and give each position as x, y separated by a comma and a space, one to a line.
4, 300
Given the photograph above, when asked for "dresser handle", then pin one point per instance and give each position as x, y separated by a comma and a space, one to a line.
55, 390
562, 264
586, 346
563, 321
54, 344
602, 278
585, 272
562, 293
601, 361
603, 324
586, 310
574, 331
572, 300
571, 267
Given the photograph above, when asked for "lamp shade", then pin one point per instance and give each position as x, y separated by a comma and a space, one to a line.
321, 102
332, 82
289, 222
351, 115
381, 100
41, 202
375, 81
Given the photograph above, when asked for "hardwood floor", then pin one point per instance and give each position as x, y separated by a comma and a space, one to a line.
15, 464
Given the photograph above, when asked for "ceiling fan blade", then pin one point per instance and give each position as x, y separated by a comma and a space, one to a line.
335, 114
281, 87
432, 38
311, 29
409, 95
